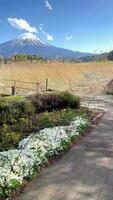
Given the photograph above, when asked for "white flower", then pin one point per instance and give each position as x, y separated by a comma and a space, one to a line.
34, 150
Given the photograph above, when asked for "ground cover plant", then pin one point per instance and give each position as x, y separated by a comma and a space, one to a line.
21, 116
29, 137
11, 134
34, 151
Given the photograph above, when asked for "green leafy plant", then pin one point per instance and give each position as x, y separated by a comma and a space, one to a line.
13, 108
8, 139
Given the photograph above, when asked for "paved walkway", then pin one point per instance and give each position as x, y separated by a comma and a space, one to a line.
85, 173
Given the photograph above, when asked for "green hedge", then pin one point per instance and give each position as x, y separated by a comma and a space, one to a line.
54, 101
70, 100
14, 107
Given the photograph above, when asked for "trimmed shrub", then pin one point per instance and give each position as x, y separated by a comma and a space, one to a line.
70, 100
14, 107
54, 101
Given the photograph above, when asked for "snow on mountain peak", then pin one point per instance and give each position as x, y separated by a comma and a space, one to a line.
29, 38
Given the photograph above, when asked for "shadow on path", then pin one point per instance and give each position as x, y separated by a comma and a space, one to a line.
84, 173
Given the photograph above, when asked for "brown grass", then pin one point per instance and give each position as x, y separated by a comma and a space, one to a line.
78, 77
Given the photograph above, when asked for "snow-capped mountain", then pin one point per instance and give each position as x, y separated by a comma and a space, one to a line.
29, 38
30, 44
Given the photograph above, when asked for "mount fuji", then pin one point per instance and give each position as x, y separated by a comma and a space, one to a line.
30, 44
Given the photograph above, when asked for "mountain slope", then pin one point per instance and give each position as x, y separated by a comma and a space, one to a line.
30, 44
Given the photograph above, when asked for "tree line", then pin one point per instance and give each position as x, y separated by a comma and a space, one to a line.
21, 58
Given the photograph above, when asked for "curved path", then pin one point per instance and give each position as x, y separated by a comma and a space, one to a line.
86, 172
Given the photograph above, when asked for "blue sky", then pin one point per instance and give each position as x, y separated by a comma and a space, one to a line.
83, 25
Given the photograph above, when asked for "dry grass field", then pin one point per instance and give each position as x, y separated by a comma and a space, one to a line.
77, 77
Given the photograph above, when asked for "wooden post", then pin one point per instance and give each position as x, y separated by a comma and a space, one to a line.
37, 87
46, 84
13, 89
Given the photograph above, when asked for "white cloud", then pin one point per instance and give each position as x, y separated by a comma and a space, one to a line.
48, 5
22, 24
48, 36
69, 37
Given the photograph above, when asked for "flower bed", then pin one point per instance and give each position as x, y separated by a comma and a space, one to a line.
34, 151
